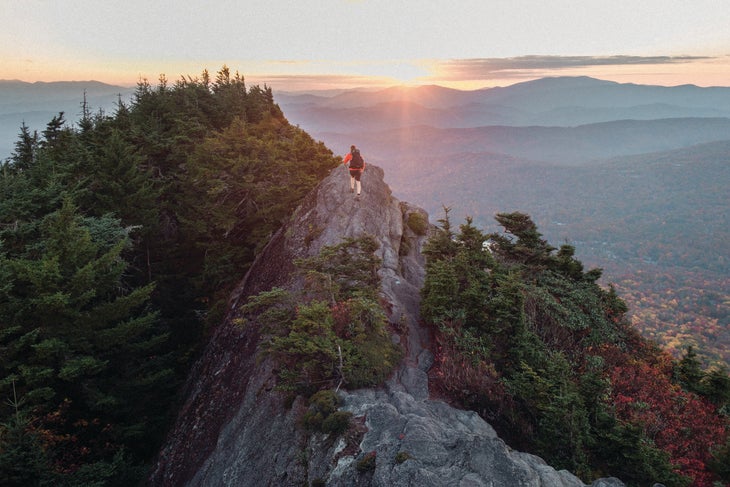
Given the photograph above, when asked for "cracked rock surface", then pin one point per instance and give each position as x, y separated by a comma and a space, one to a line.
235, 429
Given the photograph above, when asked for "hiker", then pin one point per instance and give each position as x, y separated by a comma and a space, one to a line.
357, 166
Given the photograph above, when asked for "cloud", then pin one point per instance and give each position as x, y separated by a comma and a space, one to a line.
486, 68
474, 73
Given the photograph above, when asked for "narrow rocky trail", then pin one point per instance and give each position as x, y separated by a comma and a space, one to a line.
402, 273
236, 429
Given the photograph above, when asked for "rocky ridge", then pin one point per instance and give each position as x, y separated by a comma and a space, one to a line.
236, 429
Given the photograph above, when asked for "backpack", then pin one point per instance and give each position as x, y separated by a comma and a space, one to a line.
357, 161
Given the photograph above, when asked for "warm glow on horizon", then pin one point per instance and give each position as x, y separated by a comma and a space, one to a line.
713, 72
336, 44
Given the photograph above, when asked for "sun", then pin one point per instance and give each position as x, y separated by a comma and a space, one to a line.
405, 72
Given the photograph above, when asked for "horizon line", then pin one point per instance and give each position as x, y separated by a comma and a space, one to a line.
373, 85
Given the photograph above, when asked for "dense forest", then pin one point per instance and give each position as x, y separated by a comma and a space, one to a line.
122, 236
120, 239
527, 338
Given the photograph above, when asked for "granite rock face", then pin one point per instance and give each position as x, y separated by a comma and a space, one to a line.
236, 429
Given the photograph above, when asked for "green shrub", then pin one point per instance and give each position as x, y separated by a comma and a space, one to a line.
321, 405
370, 361
367, 462
418, 223
323, 416
402, 456
336, 423
334, 332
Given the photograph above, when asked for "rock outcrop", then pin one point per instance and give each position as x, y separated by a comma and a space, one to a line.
236, 429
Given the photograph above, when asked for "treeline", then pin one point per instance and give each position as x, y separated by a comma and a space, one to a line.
120, 238
527, 338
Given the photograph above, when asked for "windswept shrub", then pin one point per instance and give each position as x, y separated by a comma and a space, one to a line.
529, 340
334, 332
322, 414
337, 422
418, 223
367, 462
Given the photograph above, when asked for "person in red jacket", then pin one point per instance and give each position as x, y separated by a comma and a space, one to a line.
357, 166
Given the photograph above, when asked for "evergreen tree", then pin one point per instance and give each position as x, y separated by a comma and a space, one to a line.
543, 352
716, 387
118, 237
689, 372
80, 348
231, 99
120, 186
23, 461
530, 247
239, 187
25, 149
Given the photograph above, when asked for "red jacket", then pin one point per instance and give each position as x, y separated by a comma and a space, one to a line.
348, 158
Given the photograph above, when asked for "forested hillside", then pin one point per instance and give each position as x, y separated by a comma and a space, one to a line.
635, 176
656, 223
120, 238
527, 338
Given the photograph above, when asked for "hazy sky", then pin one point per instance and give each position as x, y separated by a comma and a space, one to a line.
327, 43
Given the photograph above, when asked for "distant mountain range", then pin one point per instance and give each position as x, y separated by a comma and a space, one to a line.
563, 102
426, 138
36, 103
556, 145
634, 176
674, 199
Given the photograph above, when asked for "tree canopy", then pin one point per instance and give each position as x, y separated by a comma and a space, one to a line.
120, 237
529, 339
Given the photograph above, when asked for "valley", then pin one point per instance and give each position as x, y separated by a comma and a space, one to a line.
645, 199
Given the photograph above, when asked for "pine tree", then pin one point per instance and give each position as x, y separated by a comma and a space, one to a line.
120, 186
531, 341
530, 247
79, 346
23, 461
25, 149
179, 188
716, 387
689, 372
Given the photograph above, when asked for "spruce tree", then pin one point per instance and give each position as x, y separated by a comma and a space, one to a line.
529, 339
25, 149
77, 344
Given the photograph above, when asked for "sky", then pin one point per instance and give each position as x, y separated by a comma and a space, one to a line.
327, 44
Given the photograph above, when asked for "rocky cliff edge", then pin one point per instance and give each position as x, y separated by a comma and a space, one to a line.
236, 429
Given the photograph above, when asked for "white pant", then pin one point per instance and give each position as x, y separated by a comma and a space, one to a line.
355, 184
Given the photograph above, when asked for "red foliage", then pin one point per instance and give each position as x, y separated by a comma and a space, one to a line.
680, 423
341, 318
468, 379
